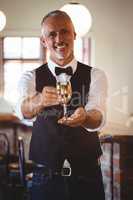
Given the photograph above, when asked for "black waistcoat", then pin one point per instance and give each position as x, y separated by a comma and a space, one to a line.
51, 142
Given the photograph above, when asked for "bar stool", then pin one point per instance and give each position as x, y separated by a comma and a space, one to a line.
4, 157
4, 160
25, 169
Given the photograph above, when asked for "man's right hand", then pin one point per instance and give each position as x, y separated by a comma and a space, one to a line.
49, 96
31, 106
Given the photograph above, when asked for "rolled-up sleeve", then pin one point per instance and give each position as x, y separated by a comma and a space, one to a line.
97, 97
26, 88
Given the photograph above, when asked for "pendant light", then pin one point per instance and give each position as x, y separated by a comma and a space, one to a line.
80, 16
2, 20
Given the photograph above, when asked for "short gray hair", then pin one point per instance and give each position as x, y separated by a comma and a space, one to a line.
55, 13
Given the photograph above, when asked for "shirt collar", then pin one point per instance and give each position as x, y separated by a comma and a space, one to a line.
52, 65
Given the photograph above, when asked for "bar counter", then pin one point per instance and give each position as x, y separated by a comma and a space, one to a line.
117, 166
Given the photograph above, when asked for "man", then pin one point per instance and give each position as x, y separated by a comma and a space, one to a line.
57, 139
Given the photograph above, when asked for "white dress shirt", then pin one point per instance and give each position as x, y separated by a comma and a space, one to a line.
97, 94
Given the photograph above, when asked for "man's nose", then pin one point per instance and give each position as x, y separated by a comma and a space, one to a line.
59, 37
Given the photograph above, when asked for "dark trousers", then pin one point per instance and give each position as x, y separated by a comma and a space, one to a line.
67, 188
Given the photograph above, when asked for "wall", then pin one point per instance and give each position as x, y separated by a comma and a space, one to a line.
111, 32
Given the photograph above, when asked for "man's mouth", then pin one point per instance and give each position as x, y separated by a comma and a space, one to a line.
61, 47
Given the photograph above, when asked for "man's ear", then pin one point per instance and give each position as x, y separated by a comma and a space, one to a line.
75, 35
43, 41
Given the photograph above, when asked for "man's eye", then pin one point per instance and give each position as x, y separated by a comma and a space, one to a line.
52, 35
64, 31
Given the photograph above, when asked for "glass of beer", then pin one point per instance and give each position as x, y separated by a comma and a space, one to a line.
64, 91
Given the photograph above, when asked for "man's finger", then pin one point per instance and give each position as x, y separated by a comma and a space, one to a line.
48, 89
70, 121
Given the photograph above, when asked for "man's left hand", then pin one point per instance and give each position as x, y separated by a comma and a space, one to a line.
76, 119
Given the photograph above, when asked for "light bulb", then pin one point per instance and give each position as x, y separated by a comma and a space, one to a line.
2, 20
80, 16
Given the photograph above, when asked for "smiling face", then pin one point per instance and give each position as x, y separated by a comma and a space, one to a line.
58, 36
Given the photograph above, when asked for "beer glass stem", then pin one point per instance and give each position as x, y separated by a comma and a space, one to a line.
65, 110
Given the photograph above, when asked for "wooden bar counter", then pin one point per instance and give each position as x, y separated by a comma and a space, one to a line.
117, 166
